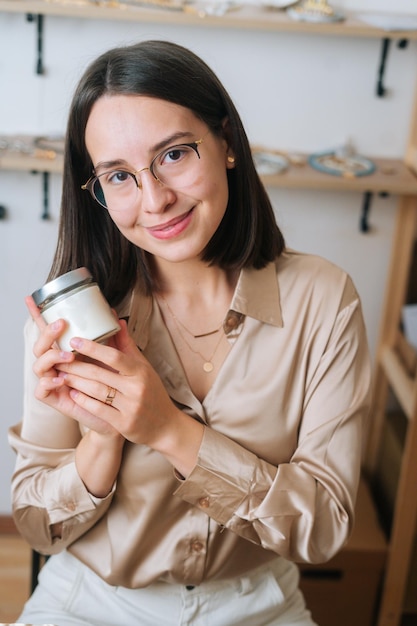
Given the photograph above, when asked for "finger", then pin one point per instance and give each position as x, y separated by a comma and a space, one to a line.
32, 307
97, 389
48, 385
55, 392
49, 336
113, 357
35, 312
92, 406
49, 333
123, 341
50, 361
64, 401
85, 367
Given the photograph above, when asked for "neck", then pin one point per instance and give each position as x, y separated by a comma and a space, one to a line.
194, 281
195, 297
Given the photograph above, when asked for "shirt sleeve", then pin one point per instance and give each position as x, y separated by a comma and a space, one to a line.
46, 487
302, 509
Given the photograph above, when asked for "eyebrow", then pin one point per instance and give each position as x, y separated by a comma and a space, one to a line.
174, 139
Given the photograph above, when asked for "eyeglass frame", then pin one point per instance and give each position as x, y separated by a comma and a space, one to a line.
89, 185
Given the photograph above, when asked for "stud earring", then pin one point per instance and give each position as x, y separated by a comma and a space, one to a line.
230, 159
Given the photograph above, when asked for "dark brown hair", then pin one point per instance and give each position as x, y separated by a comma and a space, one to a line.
248, 235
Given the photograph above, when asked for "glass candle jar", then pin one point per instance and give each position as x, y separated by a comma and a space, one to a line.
78, 300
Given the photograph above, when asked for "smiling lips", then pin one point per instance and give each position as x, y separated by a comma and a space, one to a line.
173, 228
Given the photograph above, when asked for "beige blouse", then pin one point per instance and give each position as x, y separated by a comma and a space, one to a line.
279, 463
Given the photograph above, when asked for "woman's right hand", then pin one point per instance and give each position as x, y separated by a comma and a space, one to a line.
52, 388
101, 442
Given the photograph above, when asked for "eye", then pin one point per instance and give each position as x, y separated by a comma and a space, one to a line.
116, 177
175, 154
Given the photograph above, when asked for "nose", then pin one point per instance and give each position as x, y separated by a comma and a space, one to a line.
155, 196
139, 178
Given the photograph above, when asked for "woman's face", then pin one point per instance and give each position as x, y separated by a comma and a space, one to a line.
176, 221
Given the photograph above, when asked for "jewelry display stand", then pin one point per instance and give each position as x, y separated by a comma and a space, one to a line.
315, 11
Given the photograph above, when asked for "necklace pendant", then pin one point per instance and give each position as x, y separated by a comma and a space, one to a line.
208, 367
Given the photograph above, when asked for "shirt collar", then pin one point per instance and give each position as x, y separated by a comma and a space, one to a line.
256, 295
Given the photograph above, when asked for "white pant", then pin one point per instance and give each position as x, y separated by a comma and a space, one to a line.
70, 594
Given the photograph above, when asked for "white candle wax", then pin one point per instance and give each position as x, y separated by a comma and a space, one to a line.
87, 314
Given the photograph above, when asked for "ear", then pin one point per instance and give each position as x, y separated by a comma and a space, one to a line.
230, 157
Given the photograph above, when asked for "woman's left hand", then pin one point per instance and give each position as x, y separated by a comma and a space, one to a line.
141, 409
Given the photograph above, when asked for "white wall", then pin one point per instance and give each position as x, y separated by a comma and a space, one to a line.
294, 92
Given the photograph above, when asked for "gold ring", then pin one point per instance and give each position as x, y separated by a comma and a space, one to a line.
111, 394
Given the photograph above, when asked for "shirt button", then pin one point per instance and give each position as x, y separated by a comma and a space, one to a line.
196, 546
204, 502
232, 321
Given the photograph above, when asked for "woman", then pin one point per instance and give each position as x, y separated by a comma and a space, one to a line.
177, 473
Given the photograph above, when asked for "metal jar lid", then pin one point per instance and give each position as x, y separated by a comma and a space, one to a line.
60, 285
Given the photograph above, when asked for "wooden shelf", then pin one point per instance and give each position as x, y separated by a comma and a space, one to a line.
246, 17
399, 180
14, 161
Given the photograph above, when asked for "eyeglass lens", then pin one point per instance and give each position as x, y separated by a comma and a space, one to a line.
175, 167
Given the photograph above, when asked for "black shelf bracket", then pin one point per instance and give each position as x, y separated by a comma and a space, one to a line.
45, 189
38, 19
364, 225
45, 184
45, 200
366, 206
381, 90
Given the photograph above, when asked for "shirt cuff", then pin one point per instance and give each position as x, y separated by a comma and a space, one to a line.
224, 478
70, 498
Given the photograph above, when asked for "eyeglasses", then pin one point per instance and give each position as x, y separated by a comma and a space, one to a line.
176, 167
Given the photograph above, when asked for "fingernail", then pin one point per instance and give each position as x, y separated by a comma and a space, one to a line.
56, 325
76, 343
74, 393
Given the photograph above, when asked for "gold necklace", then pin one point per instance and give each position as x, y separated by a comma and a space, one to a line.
207, 362
175, 318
